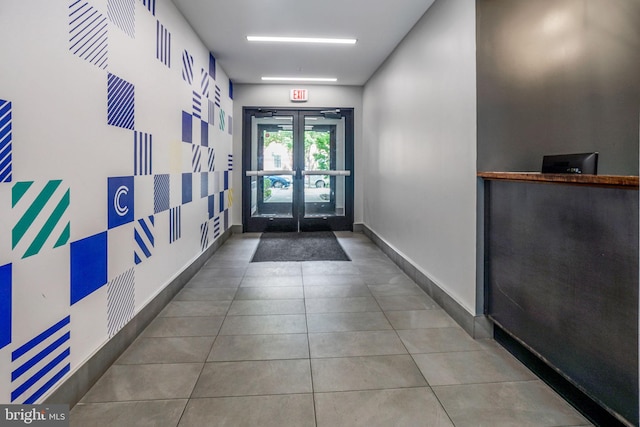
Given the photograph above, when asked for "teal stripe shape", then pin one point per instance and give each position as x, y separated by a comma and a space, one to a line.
48, 227
30, 215
18, 191
64, 237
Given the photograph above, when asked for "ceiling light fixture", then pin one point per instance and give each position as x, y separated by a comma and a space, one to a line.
300, 40
301, 79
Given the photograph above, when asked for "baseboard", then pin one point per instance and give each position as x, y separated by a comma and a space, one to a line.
82, 379
479, 327
591, 409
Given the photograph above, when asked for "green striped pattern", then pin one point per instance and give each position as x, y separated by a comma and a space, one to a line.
46, 212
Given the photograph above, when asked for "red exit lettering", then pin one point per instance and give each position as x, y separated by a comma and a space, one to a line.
298, 95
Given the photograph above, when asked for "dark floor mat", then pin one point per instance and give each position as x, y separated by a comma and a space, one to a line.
305, 246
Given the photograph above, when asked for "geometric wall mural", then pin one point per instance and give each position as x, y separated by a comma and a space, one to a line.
212, 66
122, 13
204, 185
88, 31
175, 224
120, 102
222, 122
204, 235
120, 301
196, 158
88, 266
212, 112
217, 95
161, 193
187, 188
142, 153
5, 305
204, 82
150, 5
216, 227
187, 67
163, 44
120, 198
187, 127
204, 133
43, 217
211, 160
211, 206
40, 363
5, 141
110, 158
197, 105
221, 202
144, 240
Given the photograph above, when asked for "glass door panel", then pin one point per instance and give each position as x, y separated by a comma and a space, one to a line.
324, 156
297, 167
271, 170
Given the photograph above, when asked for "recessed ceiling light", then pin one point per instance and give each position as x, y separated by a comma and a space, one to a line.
301, 79
300, 40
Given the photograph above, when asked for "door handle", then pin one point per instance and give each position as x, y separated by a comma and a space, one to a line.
268, 173
330, 173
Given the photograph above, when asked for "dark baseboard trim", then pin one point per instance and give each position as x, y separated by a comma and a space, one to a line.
572, 394
83, 378
479, 327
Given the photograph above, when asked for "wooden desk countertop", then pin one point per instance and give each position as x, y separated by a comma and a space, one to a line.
629, 182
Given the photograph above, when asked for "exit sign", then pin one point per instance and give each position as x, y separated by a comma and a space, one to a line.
299, 95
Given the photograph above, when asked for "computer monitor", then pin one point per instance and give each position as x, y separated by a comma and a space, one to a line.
581, 163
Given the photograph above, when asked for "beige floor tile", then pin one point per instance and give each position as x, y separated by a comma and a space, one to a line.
529, 403
223, 379
152, 413
365, 373
436, 340
259, 347
468, 367
264, 307
260, 325
339, 322
410, 407
145, 382
290, 410
358, 343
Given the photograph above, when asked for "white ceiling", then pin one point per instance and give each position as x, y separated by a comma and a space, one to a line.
379, 25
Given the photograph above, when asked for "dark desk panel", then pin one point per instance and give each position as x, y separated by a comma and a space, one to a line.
562, 278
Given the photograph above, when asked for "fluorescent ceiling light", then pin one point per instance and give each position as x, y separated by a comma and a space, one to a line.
301, 79
300, 40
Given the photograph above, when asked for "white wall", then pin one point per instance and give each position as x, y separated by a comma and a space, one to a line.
420, 149
84, 276
251, 95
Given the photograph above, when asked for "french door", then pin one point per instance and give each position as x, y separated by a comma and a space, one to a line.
297, 169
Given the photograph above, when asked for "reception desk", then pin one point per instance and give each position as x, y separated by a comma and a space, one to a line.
561, 277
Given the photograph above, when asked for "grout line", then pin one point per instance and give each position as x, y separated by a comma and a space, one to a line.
306, 323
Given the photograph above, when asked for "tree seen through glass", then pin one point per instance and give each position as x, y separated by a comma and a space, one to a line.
316, 147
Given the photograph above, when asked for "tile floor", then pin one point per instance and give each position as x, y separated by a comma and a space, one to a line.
313, 344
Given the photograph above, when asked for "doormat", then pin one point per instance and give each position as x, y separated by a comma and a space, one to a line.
304, 246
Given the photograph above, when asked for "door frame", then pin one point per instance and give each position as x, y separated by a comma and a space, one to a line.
298, 222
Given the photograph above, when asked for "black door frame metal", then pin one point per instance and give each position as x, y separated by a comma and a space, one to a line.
298, 221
